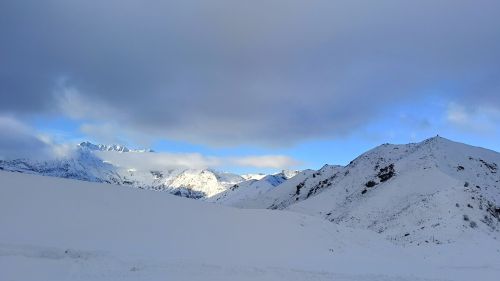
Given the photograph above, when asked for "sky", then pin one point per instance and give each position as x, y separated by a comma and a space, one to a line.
248, 86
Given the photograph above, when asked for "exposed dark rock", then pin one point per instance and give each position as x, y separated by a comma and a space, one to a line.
493, 210
370, 184
299, 186
157, 174
189, 193
386, 173
492, 166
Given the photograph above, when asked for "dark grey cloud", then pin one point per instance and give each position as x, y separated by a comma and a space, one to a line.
230, 72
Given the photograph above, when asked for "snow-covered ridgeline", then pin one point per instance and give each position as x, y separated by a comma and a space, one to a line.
435, 191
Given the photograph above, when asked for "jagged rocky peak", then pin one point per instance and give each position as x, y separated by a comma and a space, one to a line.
103, 147
112, 147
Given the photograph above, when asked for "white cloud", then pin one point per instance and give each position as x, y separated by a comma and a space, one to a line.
18, 140
164, 160
478, 119
266, 161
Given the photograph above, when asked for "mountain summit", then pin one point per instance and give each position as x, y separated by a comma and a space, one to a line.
113, 147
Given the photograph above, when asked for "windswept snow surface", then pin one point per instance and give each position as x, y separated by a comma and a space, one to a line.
59, 229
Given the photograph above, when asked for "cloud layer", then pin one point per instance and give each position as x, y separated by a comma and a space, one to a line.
163, 160
224, 72
18, 141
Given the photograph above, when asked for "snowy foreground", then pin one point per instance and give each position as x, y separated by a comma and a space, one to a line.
58, 229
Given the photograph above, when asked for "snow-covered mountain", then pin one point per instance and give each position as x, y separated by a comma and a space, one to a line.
82, 165
269, 191
207, 182
430, 192
245, 191
435, 191
87, 164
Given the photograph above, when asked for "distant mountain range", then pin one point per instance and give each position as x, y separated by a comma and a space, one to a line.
87, 164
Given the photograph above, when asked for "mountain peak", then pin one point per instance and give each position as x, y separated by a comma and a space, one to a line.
436, 139
112, 147
432, 143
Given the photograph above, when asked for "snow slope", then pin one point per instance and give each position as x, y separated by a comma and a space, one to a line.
58, 229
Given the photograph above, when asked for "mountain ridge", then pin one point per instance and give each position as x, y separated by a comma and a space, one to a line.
84, 164
112, 147
434, 191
